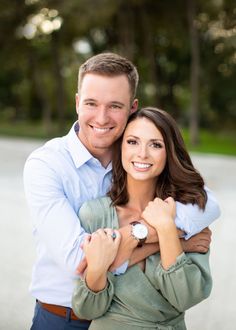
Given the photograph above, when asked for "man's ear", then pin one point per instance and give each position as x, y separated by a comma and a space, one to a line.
77, 102
134, 106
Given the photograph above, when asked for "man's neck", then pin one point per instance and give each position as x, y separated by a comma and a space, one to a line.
104, 158
103, 155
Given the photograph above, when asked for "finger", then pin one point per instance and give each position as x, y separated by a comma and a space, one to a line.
170, 201
108, 231
117, 239
101, 232
202, 249
205, 238
87, 239
109, 234
81, 267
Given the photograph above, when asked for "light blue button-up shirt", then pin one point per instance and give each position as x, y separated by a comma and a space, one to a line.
58, 178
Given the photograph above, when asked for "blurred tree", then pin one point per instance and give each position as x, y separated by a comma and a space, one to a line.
194, 73
43, 42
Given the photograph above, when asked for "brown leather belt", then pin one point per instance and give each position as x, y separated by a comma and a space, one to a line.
60, 311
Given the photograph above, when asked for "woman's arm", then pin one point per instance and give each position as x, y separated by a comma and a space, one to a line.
93, 293
183, 281
187, 282
160, 214
100, 250
90, 305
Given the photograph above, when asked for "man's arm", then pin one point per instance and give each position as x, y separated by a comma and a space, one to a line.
198, 243
192, 220
56, 225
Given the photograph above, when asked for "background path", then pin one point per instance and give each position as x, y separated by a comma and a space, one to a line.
17, 248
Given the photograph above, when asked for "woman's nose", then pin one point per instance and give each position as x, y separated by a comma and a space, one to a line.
143, 153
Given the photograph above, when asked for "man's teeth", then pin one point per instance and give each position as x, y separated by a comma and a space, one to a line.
142, 165
102, 130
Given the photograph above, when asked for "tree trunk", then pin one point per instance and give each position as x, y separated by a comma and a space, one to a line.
126, 40
149, 51
40, 105
59, 81
194, 74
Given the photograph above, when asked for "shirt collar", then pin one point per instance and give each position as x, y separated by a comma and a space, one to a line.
77, 150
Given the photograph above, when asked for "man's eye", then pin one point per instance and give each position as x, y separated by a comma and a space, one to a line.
90, 104
115, 106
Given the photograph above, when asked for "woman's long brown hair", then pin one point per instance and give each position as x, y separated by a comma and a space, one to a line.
179, 178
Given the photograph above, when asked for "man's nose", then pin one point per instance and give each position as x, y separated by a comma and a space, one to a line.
102, 116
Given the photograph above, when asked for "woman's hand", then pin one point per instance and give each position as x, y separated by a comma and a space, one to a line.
100, 249
160, 214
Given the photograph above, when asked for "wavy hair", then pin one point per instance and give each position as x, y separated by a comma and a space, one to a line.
179, 179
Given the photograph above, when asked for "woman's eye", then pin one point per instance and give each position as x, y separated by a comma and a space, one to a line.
131, 142
156, 145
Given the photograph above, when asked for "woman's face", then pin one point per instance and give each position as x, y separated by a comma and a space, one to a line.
143, 150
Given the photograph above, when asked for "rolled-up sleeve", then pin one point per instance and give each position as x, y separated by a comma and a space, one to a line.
191, 219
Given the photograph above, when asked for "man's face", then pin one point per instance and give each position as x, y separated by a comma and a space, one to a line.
103, 105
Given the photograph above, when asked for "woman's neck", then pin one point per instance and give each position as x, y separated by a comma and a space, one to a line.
140, 193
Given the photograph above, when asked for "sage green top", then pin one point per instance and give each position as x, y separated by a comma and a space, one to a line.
154, 299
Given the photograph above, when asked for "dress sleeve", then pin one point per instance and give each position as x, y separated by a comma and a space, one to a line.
87, 218
187, 282
90, 305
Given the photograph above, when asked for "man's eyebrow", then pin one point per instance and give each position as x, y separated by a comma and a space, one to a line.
89, 99
117, 102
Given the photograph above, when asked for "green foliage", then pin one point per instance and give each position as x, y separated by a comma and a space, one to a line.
213, 142
39, 61
210, 142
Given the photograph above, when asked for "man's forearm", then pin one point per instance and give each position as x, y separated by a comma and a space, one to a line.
141, 253
198, 243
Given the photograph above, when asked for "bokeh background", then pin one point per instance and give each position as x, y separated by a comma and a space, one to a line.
185, 52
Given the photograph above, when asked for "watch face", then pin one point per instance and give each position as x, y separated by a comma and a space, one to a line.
140, 231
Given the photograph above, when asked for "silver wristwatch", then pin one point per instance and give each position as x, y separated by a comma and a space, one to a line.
139, 231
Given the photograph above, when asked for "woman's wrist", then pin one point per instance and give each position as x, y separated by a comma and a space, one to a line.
166, 226
95, 281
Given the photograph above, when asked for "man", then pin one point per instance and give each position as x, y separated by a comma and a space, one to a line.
68, 171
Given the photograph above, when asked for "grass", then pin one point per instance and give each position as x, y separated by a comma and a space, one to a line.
28, 129
214, 143
210, 142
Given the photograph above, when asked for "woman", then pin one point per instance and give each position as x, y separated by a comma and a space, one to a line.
150, 173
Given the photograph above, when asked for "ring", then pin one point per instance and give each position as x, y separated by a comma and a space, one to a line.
113, 235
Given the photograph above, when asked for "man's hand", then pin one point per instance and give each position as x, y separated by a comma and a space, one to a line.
198, 243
